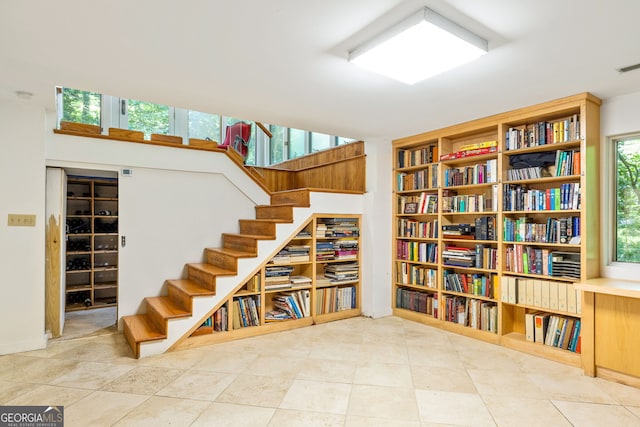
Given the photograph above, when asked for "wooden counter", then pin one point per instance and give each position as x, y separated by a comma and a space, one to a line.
611, 329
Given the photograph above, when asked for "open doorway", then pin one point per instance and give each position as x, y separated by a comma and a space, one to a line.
87, 292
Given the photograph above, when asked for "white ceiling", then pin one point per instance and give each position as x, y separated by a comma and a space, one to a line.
284, 61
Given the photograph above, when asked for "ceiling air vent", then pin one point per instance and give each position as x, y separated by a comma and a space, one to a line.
629, 68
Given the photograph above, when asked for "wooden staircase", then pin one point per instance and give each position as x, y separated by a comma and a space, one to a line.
201, 277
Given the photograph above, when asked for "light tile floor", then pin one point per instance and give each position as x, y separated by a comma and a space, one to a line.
355, 372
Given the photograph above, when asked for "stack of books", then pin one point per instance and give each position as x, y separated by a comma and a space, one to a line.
277, 277
346, 248
342, 273
324, 251
341, 227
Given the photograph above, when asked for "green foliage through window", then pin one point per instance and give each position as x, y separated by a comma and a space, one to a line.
80, 106
148, 117
628, 200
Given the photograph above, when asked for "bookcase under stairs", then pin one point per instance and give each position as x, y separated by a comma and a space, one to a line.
495, 220
312, 278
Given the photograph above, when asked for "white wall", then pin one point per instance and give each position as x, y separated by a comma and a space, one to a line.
377, 231
22, 191
618, 116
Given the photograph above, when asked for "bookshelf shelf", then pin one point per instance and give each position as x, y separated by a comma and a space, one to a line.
285, 295
558, 142
546, 147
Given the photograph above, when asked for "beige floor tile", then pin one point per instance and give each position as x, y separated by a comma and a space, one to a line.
10, 390
93, 351
522, 412
274, 366
623, 394
49, 395
336, 351
442, 379
255, 390
231, 415
596, 415
448, 407
634, 410
328, 370
225, 361
101, 408
435, 356
384, 374
358, 421
164, 411
507, 384
573, 388
317, 396
182, 359
390, 403
200, 385
91, 375
493, 358
40, 370
293, 418
384, 352
12, 363
143, 380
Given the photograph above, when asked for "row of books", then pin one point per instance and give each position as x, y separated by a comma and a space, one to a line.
530, 260
486, 257
476, 314
290, 305
567, 162
338, 227
219, 321
420, 302
331, 300
545, 294
518, 197
422, 203
475, 174
412, 274
414, 228
426, 178
474, 284
246, 311
532, 172
471, 202
555, 230
417, 156
553, 330
416, 251
543, 133
471, 152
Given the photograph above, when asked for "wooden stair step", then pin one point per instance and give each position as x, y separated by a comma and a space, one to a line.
190, 287
233, 252
139, 328
166, 307
182, 291
226, 258
262, 227
282, 212
211, 269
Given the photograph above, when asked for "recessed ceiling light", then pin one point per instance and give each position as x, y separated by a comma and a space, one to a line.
421, 46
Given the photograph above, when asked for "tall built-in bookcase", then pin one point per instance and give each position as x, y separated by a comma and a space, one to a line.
313, 278
495, 220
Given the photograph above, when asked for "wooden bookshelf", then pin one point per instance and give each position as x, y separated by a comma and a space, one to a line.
91, 248
325, 251
533, 172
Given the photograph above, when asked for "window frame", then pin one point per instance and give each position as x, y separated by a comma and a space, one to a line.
608, 203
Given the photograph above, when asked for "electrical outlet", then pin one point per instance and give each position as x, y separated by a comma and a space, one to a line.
17, 220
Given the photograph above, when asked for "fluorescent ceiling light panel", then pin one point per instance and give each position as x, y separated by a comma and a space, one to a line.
421, 46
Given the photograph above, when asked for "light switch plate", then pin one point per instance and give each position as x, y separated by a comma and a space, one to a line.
18, 220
